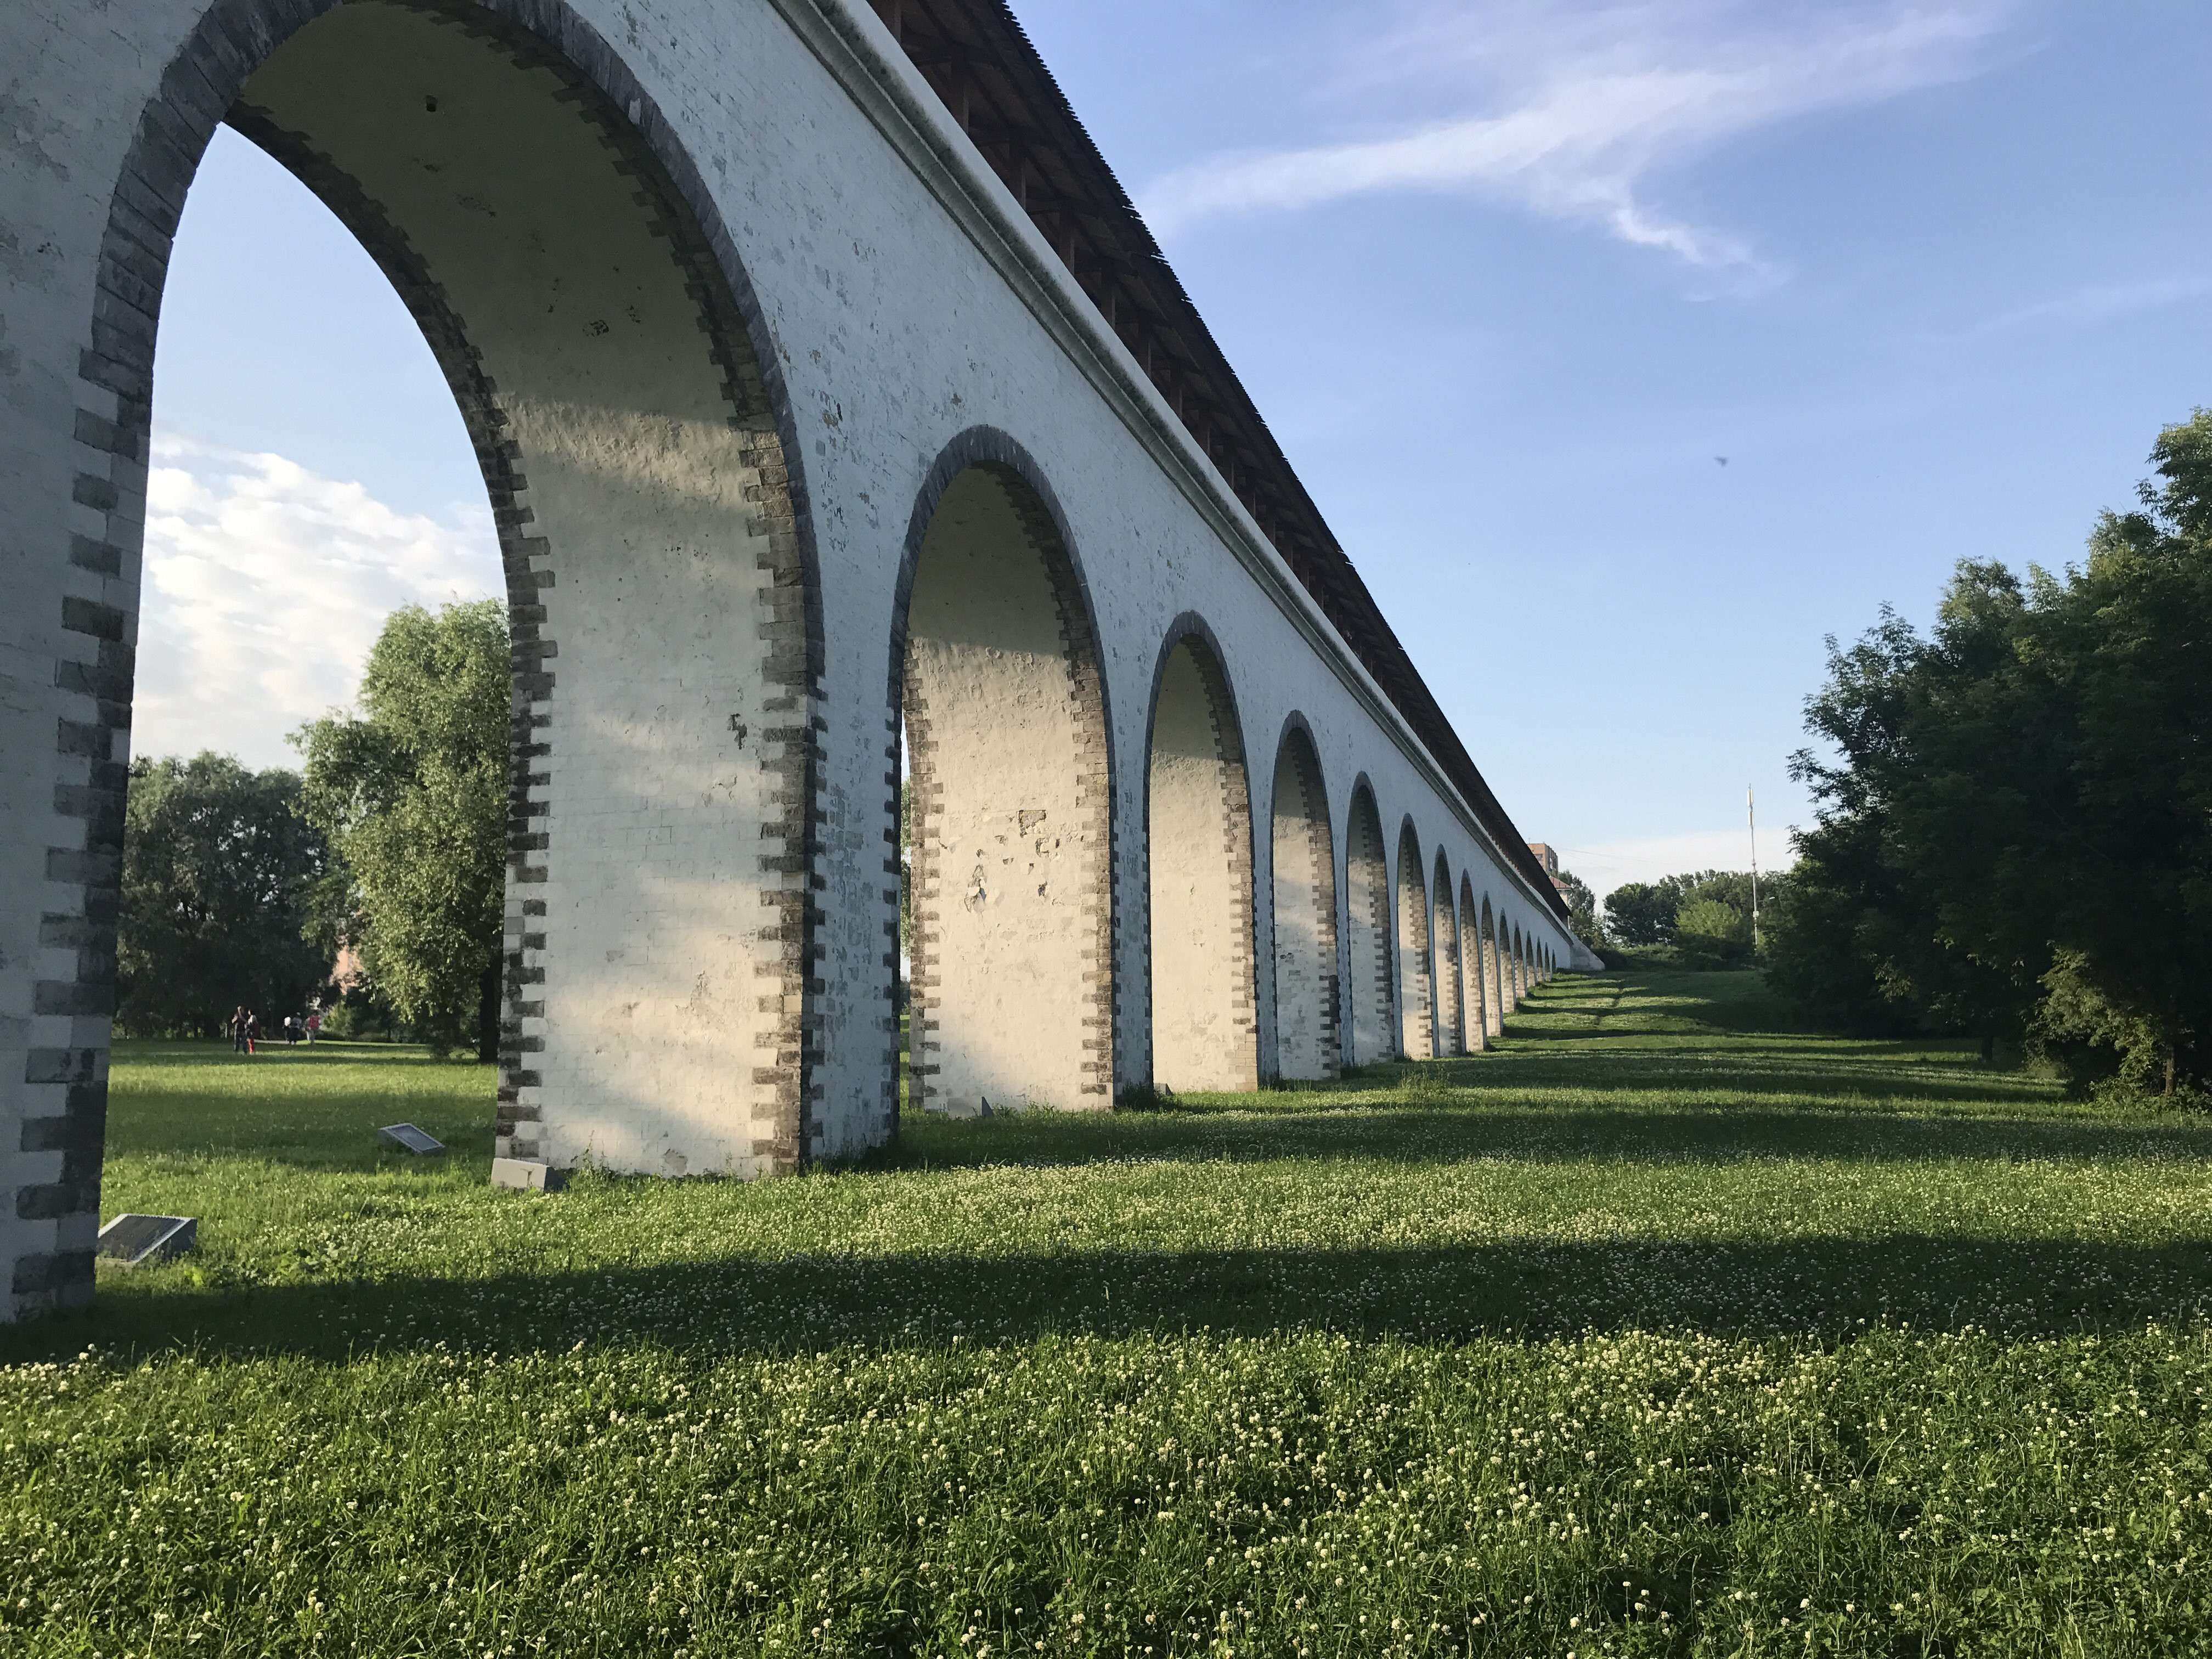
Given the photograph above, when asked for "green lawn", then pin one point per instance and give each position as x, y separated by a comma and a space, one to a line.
1655, 1330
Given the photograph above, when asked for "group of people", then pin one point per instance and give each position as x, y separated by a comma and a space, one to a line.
246, 1028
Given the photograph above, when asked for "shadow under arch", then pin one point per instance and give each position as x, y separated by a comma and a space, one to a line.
1302, 908
1493, 976
1199, 933
1370, 935
1416, 971
1451, 1035
996, 682
331, 115
1473, 1000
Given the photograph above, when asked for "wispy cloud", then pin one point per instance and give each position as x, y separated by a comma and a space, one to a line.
1568, 112
265, 584
2096, 302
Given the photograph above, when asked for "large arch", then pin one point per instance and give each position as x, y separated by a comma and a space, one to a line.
1367, 931
1198, 830
535, 212
1493, 974
1303, 887
1009, 768
1416, 977
1475, 1002
1450, 1010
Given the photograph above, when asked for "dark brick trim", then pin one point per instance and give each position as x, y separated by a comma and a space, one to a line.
1297, 740
987, 447
1237, 848
198, 89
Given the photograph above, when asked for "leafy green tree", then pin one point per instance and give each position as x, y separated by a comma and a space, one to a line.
1874, 941
2024, 798
1582, 909
217, 867
1648, 913
413, 793
1709, 931
1643, 912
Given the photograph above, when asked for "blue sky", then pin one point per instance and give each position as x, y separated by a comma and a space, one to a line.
1507, 279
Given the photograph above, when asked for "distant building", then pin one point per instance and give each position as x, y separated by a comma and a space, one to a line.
1550, 860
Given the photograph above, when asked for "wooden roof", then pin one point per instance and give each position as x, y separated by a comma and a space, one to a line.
976, 57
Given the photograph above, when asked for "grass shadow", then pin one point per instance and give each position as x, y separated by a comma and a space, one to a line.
1386, 1132
1821, 1287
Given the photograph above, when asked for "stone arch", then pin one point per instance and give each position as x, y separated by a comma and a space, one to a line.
1302, 888
1367, 931
1493, 975
1416, 976
597, 312
1198, 842
1010, 766
1451, 1012
1474, 1003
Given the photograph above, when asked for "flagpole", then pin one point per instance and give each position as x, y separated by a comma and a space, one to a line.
1751, 817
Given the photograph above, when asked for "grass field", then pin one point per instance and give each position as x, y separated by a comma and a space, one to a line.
1655, 1330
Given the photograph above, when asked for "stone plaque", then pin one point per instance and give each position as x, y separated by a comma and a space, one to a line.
527, 1174
135, 1239
409, 1139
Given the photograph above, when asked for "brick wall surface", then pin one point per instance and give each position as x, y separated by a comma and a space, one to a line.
832, 293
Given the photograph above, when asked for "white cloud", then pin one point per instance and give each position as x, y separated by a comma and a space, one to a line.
1568, 110
265, 584
1608, 865
2096, 302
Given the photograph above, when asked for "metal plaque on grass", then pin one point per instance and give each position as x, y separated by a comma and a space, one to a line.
409, 1139
135, 1239
527, 1174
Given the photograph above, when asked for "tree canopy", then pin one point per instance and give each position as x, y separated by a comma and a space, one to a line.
2016, 835
217, 868
1581, 909
413, 794
1704, 914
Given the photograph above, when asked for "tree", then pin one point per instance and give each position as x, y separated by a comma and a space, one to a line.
217, 867
1711, 932
2022, 813
413, 795
1582, 909
1875, 940
1643, 912
1648, 913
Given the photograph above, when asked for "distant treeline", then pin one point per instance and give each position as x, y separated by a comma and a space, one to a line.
243, 887
1706, 916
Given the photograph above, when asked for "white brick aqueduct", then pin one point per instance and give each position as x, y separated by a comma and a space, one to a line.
830, 398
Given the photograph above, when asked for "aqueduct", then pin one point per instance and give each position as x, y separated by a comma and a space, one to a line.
831, 398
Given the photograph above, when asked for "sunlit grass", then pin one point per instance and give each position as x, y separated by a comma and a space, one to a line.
1655, 1329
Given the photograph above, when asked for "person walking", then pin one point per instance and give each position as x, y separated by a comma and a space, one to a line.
238, 1038
314, 1025
252, 1029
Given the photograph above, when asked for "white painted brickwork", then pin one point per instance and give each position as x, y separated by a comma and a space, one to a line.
722, 293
